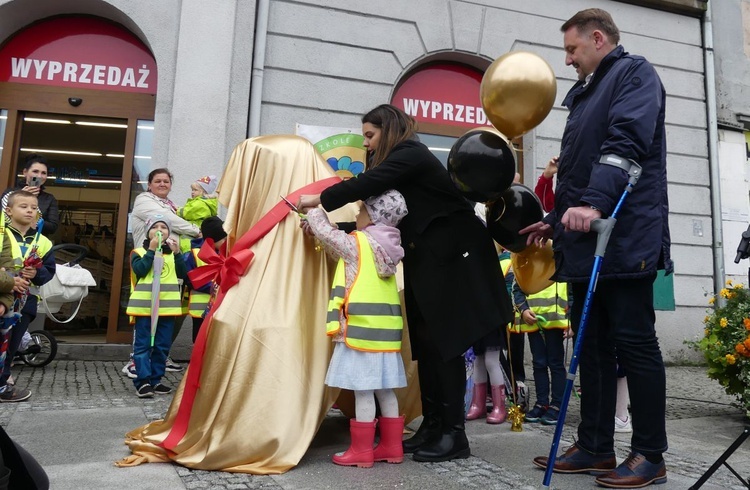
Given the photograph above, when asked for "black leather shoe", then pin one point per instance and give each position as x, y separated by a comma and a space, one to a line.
576, 460
634, 472
451, 445
428, 432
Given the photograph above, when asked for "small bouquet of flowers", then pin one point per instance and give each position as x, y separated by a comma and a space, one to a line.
34, 261
726, 343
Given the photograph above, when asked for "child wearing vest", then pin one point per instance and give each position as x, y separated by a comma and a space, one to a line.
28, 246
150, 361
490, 362
543, 318
213, 228
364, 319
515, 340
201, 205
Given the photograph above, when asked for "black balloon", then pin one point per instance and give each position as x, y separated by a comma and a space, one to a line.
516, 209
482, 164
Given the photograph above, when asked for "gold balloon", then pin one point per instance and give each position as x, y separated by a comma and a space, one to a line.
517, 92
533, 268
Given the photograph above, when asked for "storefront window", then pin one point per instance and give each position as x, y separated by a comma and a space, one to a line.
144, 143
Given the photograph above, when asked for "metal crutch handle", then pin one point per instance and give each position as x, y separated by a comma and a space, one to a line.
603, 228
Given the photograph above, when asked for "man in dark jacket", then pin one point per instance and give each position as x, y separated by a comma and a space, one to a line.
616, 115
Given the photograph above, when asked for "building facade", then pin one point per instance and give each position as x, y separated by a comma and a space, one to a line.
232, 69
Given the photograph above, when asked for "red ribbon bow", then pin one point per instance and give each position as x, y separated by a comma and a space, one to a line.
223, 271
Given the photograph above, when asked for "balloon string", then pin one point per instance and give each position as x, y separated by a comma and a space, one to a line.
504, 208
510, 366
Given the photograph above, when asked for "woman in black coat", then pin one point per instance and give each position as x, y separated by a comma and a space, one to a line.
453, 285
35, 168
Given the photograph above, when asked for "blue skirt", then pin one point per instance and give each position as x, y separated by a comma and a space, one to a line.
357, 370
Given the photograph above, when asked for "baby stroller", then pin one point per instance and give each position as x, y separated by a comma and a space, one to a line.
39, 347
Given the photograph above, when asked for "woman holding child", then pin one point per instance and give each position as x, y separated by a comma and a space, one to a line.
156, 201
453, 286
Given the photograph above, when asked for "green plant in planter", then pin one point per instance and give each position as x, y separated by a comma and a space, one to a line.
726, 343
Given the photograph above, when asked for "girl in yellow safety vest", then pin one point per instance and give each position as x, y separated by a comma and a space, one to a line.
151, 358
364, 319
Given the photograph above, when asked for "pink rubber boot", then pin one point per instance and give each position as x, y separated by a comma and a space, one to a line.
498, 413
478, 407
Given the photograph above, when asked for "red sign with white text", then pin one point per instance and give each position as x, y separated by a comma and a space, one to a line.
445, 94
82, 52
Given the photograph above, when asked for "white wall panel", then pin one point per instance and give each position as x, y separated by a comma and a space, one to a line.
687, 141
682, 169
685, 199
690, 229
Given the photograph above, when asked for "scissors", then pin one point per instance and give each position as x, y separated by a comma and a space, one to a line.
293, 207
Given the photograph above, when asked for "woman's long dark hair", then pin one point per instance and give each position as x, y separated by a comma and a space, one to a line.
396, 127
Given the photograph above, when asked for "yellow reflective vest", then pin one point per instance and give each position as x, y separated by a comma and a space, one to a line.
170, 303
505, 266
198, 301
550, 303
42, 244
372, 307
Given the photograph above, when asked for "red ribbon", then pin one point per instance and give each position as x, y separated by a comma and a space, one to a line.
226, 272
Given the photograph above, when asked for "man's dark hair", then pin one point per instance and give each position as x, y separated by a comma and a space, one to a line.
590, 19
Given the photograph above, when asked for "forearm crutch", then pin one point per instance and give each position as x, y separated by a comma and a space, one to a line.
603, 228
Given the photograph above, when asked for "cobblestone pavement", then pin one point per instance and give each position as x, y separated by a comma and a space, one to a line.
69, 385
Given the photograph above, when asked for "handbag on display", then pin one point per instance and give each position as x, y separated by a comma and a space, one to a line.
69, 284
67, 231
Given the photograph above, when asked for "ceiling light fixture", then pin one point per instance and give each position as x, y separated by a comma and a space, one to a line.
435, 148
48, 121
114, 155
150, 128
62, 152
143, 157
102, 125
89, 181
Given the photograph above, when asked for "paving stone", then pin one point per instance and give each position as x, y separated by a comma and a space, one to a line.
73, 385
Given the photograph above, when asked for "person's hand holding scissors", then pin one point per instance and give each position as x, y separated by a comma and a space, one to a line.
307, 201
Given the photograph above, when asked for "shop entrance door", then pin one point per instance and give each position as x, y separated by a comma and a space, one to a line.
96, 159
97, 82
85, 167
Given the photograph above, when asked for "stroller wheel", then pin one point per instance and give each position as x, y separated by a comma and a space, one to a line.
42, 349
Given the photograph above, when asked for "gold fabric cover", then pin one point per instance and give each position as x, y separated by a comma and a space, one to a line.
262, 395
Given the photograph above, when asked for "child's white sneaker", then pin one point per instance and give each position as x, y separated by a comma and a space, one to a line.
172, 366
623, 426
129, 370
